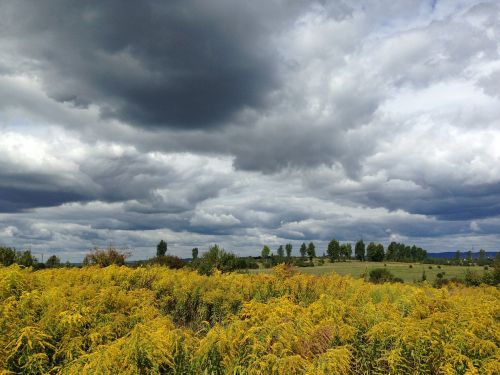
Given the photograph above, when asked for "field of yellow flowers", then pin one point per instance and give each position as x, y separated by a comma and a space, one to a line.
151, 320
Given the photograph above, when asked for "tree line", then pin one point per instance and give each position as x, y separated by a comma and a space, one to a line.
9, 256
218, 258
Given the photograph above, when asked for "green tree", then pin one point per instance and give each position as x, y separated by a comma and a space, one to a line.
7, 256
375, 252
288, 249
161, 249
393, 251
469, 257
104, 258
482, 257
496, 269
217, 258
359, 250
265, 252
458, 257
25, 258
194, 253
53, 261
281, 252
311, 251
346, 251
380, 252
333, 250
303, 250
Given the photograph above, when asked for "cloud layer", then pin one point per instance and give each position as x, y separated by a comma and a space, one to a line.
248, 124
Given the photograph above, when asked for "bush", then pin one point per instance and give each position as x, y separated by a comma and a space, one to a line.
410, 266
170, 261
53, 261
472, 278
217, 258
284, 270
104, 258
381, 275
7, 256
430, 267
302, 263
440, 282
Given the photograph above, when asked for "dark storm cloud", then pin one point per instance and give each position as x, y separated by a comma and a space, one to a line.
13, 199
182, 64
450, 203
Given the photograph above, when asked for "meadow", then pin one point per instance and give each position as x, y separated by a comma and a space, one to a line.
409, 272
153, 320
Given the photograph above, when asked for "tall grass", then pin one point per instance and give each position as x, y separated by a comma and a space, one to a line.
118, 320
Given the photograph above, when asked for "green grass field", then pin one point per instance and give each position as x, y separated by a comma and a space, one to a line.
401, 270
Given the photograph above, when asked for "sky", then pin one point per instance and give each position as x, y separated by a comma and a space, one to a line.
246, 123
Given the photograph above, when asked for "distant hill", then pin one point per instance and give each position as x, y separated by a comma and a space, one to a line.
451, 254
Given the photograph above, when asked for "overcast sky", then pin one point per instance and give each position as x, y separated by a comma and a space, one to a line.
246, 123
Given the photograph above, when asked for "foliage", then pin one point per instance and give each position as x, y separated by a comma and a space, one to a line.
482, 257
170, 261
303, 250
147, 320
400, 252
375, 252
217, 258
194, 253
311, 251
265, 252
382, 275
9, 256
333, 250
104, 258
53, 261
345, 251
161, 249
25, 258
281, 251
359, 250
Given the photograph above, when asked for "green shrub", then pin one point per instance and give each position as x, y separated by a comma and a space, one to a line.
381, 275
169, 261
104, 258
217, 258
302, 263
472, 278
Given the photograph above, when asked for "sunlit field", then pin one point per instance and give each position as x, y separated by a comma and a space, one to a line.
120, 320
402, 270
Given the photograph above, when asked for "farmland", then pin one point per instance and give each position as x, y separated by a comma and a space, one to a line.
409, 272
121, 320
